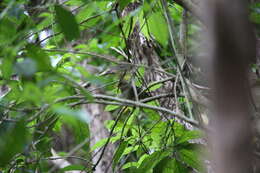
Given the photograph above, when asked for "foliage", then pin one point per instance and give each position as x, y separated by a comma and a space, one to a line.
43, 49
255, 16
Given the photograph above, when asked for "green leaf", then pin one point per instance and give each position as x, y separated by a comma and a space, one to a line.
7, 31
118, 153
99, 144
102, 142
67, 113
47, 19
151, 114
130, 164
67, 23
191, 158
255, 17
178, 167
152, 160
188, 135
32, 93
133, 116
130, 149
39, 56
157, 133
142, 158
13, 135
158, 28
73, 168
81, 132
123, 3
111, 107
142, 20
155, 87
85, 13
169, 165
7, 66
176, 13
141, 71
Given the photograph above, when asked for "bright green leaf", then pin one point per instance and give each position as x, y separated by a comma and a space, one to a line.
73, 168
155, 87
152, 160
99, 144
158, 28
130, 164
111, 107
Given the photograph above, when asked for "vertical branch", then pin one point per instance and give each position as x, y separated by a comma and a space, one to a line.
183, 33
180, 57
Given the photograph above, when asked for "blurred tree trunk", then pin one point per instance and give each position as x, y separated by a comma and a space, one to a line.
233, 48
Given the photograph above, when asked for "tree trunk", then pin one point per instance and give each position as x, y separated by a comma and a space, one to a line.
233, 47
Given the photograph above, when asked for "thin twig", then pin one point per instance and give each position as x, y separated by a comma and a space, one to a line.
47, 27
157, 82
159, 96
82, 22
108, 140
135, 90
127, 102
180, 56
109, 58
139, 104
66, 157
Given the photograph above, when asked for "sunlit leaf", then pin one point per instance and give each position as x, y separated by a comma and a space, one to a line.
158, 28
102, 142
111, 107
130, 164
155, 87
73, 168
